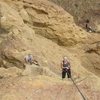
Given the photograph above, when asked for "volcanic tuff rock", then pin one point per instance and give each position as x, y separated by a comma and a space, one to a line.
41, 16
50, 22
42, 28
83, 10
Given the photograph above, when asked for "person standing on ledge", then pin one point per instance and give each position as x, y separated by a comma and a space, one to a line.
65, 66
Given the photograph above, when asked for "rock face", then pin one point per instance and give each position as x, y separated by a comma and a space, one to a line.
41, 28
47, 19
91, 57
36, 88
29, 88
50, 22
83, 10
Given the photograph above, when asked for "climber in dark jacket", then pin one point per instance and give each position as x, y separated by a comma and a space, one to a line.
88, 27
65, 65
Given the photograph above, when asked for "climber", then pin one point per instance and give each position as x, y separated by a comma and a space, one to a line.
29, 59
65, 65
88, 27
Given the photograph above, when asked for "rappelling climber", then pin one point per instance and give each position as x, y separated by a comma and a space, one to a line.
65, 65
66, 68
29, 60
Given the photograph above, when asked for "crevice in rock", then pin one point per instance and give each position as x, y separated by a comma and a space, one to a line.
39, 24
39, 11
12, 61
92, 51
3, 31
97, 42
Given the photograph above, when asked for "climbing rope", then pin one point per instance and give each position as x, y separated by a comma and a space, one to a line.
78, 89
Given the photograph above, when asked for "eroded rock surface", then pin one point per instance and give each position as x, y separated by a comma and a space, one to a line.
42, 28
83, 10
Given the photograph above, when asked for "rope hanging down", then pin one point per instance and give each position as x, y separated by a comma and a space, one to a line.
78, 90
